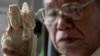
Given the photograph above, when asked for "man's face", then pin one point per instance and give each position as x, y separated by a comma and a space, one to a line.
79, 38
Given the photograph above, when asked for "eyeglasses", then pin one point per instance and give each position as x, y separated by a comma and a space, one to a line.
73, 10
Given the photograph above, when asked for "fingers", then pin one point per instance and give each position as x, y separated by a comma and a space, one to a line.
11, 52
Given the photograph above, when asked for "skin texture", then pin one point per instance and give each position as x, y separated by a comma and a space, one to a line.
83, 38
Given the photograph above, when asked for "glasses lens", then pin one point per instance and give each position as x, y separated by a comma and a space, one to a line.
73, 10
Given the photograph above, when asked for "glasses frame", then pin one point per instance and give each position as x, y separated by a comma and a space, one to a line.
40, 14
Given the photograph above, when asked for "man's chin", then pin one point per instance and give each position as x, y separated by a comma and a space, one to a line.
66, 47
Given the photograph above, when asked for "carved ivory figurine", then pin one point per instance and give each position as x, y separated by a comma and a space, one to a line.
19, 38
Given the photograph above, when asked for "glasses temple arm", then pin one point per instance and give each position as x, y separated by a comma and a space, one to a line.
88, 3
40, 15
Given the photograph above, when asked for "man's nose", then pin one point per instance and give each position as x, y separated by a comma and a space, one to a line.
64, 24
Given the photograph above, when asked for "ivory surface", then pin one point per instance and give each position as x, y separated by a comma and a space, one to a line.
20, 31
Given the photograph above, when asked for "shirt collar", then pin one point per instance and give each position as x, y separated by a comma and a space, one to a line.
97, 52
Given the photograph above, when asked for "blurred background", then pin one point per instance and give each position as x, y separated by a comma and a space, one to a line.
44, 47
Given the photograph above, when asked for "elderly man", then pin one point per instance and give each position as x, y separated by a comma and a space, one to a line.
73, 26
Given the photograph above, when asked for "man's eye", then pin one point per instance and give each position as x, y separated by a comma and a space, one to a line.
53, 14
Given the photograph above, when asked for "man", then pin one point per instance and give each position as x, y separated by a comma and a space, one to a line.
73, 26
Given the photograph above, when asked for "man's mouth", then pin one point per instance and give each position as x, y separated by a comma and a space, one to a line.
69, 39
